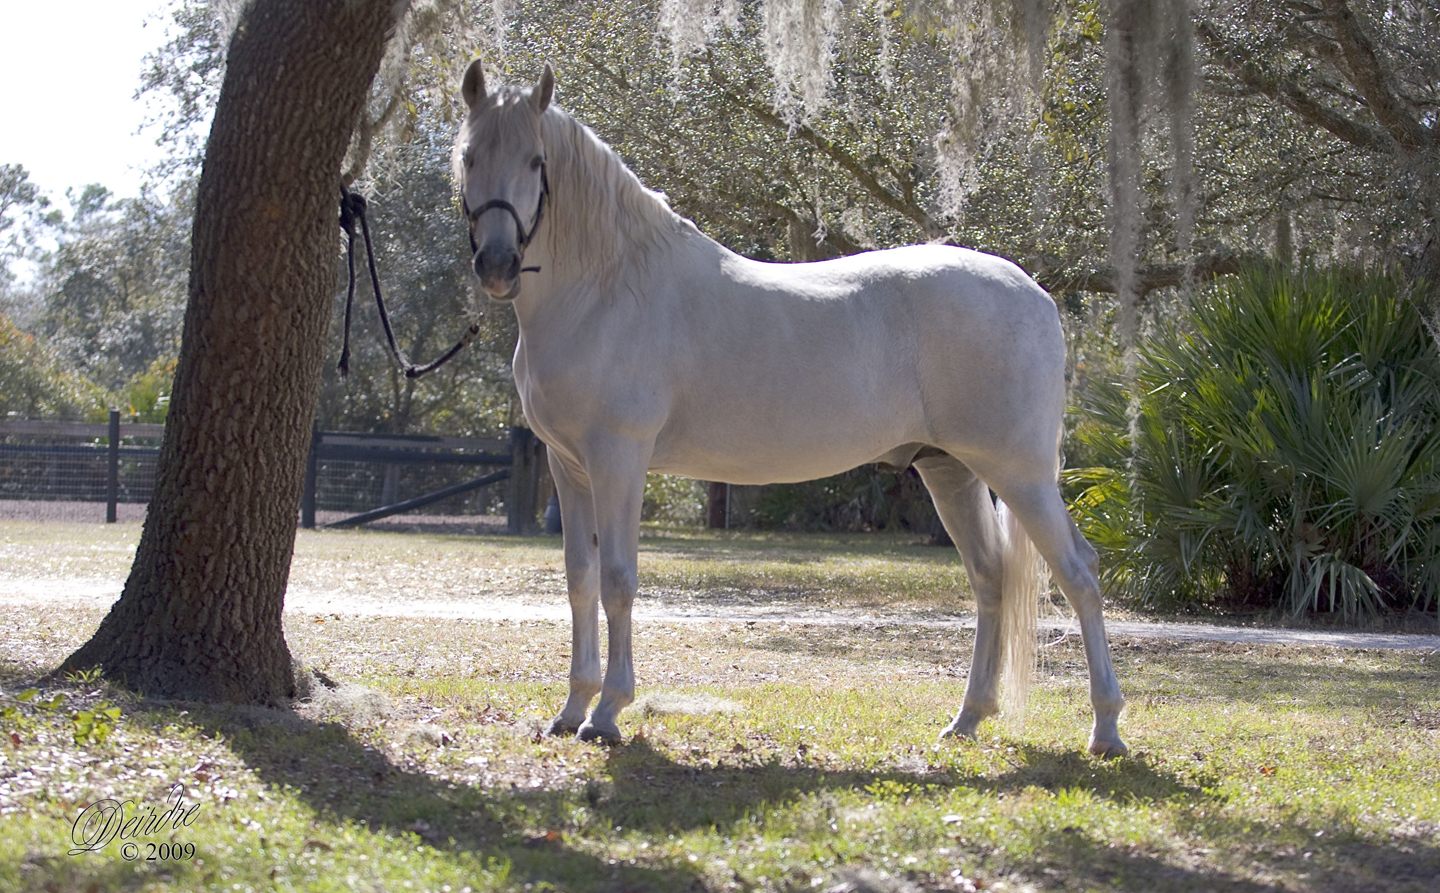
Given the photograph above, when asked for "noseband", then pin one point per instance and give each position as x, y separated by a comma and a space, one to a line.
522, 237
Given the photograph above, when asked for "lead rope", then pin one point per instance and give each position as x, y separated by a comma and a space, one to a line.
352, 211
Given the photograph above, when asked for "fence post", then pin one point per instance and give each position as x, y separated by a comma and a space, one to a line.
539, 483
112, 478
312, 473
717, 506
520, 507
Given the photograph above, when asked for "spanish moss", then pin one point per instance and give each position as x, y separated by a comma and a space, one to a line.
798, 42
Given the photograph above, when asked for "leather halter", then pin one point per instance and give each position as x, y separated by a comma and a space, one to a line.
522, 237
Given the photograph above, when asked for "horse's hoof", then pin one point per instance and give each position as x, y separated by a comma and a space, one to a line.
560, 727
964, 725
954, 730
1109, 750
593, 733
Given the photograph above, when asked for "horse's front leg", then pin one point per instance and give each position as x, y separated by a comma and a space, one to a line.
617, 479
582, 579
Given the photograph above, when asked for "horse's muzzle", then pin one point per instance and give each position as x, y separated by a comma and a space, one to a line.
498, 268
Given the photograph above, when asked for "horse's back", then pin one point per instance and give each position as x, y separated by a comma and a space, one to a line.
841, 361
967, 330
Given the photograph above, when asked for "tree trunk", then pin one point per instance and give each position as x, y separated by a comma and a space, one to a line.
200, 615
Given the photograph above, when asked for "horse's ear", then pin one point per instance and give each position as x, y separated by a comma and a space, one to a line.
544, 91
472, 88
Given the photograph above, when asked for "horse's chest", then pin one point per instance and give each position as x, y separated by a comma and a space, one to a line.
570, 404
556, 403
539, 401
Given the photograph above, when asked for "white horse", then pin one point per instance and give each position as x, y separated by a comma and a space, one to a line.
646, 346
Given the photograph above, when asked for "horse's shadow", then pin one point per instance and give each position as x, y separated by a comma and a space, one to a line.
645, 789
641, 788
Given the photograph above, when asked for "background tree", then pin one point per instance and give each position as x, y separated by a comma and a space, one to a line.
35, 383
1360, 80
112, 291
23, 213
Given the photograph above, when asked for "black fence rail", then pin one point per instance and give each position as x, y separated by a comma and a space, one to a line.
60, 463
66, 470
375, 476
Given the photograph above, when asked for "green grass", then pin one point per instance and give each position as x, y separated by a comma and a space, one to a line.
1305, 769
772, 756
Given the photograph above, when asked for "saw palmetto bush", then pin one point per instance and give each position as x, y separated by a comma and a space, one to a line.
1286, 452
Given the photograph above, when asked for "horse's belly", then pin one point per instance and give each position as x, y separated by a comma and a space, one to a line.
786, 470
752, 455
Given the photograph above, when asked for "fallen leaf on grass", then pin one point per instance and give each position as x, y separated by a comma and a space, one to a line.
551, 836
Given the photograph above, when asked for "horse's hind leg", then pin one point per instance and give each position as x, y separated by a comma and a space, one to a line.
963, 503
1041, 511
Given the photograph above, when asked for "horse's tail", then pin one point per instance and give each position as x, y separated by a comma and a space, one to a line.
1023, 578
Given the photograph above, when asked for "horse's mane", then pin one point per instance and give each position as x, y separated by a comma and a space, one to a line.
600, 215
602, 211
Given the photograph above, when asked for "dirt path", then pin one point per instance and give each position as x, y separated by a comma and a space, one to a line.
687, 608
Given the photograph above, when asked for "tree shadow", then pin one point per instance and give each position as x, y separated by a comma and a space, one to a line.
1297, 855
650, 791
344, 778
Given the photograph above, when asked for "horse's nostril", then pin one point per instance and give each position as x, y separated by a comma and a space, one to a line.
497, 262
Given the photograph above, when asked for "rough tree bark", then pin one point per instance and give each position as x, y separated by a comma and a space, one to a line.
200, 615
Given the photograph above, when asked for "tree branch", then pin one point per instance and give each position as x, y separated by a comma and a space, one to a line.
1371, 78
1054, 277
1290, 94
836, 153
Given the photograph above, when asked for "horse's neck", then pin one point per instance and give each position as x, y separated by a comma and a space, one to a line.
602, 218
604, 235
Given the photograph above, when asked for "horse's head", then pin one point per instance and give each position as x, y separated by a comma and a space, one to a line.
503, 186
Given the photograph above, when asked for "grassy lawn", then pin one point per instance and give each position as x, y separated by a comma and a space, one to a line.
816, 569
761, 756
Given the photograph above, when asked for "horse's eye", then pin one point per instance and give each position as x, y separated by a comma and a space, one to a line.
536, 162
467, 158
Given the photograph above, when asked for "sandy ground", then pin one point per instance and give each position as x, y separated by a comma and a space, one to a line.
549, 604
42, 511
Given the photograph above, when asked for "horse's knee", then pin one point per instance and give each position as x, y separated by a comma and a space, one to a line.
582, 587
619, 580
580, 573
618, 585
